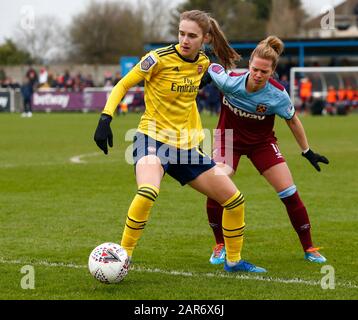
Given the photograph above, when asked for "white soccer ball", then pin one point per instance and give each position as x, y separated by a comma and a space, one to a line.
108, 262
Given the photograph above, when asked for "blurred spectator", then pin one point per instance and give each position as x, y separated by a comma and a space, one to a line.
341, 94
6, 83
108, 85
200, 100
89, 82
52, 80
9, 83
284, 81
27, 91
60, 81
43, 78
47, 79
331, 100
68, 81
305, 91
333, 62
31, 74
138, 99
284, 68
69, 84
108, 81
123, 108
212, 95
117, 77
350, 96
343, 103
78, 83
66, 76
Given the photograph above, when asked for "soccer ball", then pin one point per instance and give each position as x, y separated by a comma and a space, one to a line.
108, 263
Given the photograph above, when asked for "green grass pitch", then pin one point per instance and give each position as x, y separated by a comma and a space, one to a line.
53, 212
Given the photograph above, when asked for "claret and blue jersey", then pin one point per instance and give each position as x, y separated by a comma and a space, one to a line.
270, 100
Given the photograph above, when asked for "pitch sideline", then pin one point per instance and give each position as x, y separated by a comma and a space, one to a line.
348, 285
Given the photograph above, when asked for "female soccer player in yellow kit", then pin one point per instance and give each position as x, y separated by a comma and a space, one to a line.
170, 130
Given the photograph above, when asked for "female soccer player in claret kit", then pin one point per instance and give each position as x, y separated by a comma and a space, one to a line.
251, 101
170, 130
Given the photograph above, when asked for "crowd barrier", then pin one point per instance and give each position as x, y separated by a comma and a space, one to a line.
6, 100
48, 100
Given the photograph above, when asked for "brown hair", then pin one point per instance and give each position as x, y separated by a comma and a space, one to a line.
270, 49
227, 55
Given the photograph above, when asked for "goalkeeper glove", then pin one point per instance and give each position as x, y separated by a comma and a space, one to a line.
314, 158
103, 133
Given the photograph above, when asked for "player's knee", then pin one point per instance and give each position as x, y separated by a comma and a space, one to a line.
287, 192
224, 169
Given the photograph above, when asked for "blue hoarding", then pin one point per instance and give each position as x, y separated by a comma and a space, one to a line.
127, 63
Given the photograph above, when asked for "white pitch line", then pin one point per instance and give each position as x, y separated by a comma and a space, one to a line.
78, 159
348, 285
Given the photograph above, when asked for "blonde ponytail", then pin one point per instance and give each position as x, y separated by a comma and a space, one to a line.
227, 55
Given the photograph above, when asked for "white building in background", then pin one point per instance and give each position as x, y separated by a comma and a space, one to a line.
334, 22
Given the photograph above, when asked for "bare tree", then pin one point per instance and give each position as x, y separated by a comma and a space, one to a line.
104, 32
286, 18
44, 39
243, 22
240, 20
156, 16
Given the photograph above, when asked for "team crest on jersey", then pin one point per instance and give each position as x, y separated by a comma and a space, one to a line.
147, 63
217, 68
261, 108
200, 69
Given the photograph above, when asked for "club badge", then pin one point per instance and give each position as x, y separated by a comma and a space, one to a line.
200, 69
261, 108
217, 68
148, 63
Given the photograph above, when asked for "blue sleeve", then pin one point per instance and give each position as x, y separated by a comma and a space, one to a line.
221, 79
285, 108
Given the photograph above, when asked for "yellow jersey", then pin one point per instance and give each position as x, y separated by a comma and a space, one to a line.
171, 84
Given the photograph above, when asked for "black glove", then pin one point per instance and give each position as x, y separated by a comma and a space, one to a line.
314, 158
104, 133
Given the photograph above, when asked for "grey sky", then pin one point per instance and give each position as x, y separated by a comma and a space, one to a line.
12, 11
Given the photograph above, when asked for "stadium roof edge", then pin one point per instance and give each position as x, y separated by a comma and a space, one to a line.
294, 42
304, 47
